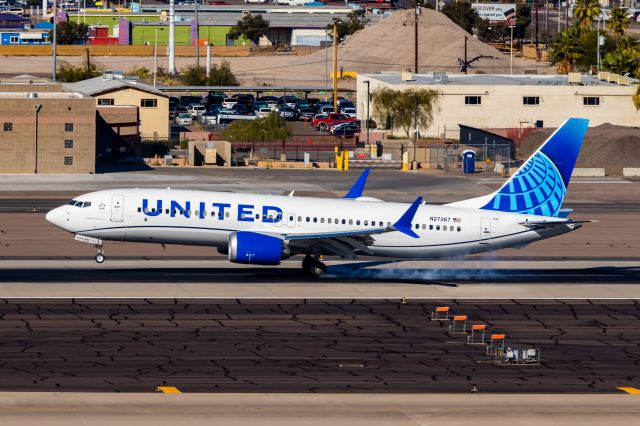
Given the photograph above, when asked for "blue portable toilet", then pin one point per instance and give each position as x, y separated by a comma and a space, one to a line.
468, 161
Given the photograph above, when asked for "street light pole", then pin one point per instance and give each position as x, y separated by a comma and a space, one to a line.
155, 58
197, 37
335, 65
511, 51
368, 83
415, 131
36, 109
55, 42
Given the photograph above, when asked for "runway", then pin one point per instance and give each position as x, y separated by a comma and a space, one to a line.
312, 346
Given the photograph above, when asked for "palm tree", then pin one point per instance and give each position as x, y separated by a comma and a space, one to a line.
620, 63
566, 50
585, 12
618, 21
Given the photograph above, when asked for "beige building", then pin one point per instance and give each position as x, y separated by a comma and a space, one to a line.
508, 101
47, 132
113, 89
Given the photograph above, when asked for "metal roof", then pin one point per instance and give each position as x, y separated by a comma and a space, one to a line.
13, 17
250, 89
97, 85
443, 78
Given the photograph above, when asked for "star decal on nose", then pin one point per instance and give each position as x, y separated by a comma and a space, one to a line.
101, 206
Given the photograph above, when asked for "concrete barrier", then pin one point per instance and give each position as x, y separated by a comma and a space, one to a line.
120, 50
631, 171
588, 172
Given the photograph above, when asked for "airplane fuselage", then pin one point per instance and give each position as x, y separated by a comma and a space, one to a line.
190, 217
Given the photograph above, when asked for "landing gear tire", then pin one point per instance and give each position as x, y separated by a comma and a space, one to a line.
100, 258
318, 269
307, 263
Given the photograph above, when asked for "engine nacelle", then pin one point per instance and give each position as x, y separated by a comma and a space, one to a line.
254, 248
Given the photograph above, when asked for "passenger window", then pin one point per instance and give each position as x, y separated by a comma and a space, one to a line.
430, 227
344, 222
322, 220
220, 216
336, 222
451, 228
291, 218
213, 213
166, 211
417, 226
308, 219
139, 209
388, 224
197, 212
226, 215
350, 221
299, 219
315, 220
437, 227
258, 216
459, 228
381, 224
366, 223
424, 226
358, 222
329, 220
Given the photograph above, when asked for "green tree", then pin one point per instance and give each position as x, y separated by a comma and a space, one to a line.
398, 105
620, 63
71, 33
270, 129
221, 75
619, 21
566, 50
355, 21
69, 73
588, 45
628, 45
585, 12
250, 27
462, 14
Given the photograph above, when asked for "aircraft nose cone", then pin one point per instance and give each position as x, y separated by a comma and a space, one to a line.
56, 217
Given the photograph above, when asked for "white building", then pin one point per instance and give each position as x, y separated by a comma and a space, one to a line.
510, 101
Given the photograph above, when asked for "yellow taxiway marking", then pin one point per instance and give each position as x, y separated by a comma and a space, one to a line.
168, 389
632, 391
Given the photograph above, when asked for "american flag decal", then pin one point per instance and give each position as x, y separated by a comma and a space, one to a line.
457, 219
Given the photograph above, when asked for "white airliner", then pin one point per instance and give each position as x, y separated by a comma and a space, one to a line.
265, 229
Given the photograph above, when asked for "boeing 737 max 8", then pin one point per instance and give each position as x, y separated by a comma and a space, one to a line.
265, 229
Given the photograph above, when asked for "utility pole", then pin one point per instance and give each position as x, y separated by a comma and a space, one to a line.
416, 11
511, 50
36, 109
208, 68
335, 65
546, 23
535, 5
88, 63
415, 131
55, 42
197, 37
172, 39
465, 55
368, 83
326, 61
155, 58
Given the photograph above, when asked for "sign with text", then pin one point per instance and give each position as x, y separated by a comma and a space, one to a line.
503, 13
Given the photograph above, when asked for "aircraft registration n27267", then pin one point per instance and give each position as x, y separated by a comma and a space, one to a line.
266, 229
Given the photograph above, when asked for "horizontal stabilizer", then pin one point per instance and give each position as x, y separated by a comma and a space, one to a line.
553, 223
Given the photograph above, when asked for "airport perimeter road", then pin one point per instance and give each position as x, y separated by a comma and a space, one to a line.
244, 345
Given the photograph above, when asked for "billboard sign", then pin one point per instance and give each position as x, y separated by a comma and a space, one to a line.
502, 13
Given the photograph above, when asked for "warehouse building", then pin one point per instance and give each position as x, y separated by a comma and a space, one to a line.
508, 101
114, 89
47, 132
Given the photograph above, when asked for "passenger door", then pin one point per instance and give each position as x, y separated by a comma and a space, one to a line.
291, 220
117, 208
485, 230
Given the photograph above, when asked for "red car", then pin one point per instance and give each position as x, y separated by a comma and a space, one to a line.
331, 120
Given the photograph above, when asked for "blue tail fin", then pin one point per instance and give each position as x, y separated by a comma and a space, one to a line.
539, 186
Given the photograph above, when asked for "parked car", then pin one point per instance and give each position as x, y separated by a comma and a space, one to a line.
290, 101
264, 112
255, 1
287, 112
306, 113
185, 101
196, 109
229, 102
259, 104
183, 119
347, 131
214, 98
242, 109
244, 98
349, 112
208, 118
330, 120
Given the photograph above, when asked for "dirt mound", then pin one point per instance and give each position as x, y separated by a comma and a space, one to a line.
606, 145
388, 46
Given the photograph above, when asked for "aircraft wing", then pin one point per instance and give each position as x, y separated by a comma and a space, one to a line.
347, 244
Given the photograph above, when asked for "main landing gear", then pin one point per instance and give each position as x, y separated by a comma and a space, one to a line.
100, 256
311, 265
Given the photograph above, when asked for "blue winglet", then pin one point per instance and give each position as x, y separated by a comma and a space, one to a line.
358, 188
404, 224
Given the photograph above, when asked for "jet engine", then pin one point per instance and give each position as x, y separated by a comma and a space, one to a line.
257, 249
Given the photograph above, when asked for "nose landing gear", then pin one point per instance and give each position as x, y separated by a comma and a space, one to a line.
311, 265
100, 256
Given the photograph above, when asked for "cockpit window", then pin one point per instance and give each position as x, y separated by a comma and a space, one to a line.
86, 204
81, 204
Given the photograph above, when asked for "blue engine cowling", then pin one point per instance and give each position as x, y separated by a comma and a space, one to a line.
254, 248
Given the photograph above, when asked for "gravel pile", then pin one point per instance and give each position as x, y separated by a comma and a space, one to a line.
606, 145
